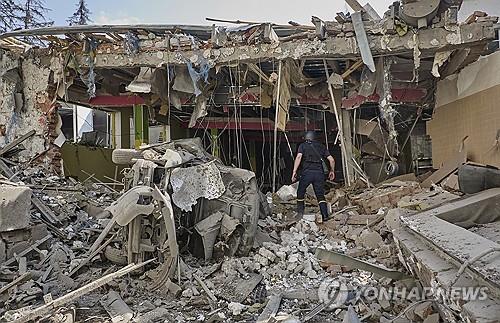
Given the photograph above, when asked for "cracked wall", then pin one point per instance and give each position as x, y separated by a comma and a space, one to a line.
26, 104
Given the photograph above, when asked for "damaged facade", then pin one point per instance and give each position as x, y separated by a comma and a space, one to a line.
175, 203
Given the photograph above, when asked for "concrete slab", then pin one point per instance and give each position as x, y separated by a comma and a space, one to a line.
472, 210
15, 204
458, 244
436, 272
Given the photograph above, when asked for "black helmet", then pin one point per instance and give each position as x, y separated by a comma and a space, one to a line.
310, 135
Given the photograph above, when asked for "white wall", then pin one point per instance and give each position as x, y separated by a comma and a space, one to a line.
83, 121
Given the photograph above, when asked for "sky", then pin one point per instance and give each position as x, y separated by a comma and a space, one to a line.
194, 12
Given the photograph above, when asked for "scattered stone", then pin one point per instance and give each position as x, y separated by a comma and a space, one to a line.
236, 308
423, 310
268, 254
309, 217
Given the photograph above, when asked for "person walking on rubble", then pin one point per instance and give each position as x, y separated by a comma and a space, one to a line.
312, 156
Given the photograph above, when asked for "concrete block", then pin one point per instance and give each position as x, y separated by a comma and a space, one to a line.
15, 204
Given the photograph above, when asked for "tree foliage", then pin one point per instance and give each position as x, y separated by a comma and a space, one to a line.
81, 15
34, 14
10, 13
26, 14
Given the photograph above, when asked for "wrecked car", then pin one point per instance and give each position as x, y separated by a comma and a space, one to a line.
200, 200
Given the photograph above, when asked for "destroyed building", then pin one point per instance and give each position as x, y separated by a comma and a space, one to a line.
146, 169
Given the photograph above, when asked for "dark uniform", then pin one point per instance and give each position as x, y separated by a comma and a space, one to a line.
312, 173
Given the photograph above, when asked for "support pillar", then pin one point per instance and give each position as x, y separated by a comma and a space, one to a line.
345, 116
141, 126
125, 115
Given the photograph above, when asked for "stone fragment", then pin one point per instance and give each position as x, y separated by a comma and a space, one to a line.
15, 205
309, 217
334, 269
267, 254
287, 193
281, 255
383, 252
173, 288
236, 308
293, 258
312, 274
187, 293
370, 239
423, 310
263, 261
384, 302
298, 269
433, 318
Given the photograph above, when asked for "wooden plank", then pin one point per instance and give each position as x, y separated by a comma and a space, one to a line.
352, 68
448, 167
16, 142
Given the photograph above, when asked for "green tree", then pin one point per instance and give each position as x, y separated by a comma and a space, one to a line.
81, 15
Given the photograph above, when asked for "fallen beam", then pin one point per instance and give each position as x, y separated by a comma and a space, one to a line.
363, 44
355, 5
429, 40
336, 258
433, 270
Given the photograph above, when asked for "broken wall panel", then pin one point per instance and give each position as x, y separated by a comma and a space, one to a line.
467, 106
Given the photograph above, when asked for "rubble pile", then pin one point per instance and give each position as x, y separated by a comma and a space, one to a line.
40, 245
73, 251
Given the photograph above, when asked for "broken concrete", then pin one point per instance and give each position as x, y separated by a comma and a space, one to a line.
15, 204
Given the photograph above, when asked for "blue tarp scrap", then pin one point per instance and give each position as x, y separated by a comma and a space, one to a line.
204, 69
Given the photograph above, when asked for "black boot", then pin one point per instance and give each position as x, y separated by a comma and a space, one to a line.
301, 206
324, 210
